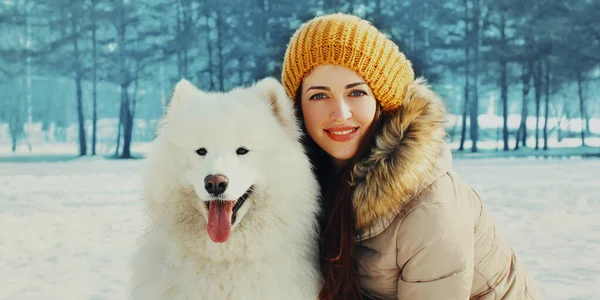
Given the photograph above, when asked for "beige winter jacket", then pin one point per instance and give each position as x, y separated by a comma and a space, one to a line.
424, 233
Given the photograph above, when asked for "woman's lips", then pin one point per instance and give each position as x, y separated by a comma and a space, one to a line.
341, 134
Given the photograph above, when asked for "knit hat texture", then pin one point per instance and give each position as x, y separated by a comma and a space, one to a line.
352, 42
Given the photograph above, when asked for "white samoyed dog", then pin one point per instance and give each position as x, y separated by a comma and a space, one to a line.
231, 200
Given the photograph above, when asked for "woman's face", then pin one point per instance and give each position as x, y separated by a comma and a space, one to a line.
338, 108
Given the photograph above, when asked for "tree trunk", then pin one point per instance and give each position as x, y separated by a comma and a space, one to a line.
474, 111
123, 75
80, 118
78, 79
522, 131
16, 122
581, 105
13, 146
537, 84
125, 82
119, 127
547, 104
463, 131
504, 87
14, 130
129, 114
127, 122
29, 73
587, 123
94, 79
135, 93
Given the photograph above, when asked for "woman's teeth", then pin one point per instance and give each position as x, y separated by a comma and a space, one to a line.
342, 132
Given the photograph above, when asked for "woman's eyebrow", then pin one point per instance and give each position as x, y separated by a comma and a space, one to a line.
319, 87
354, 84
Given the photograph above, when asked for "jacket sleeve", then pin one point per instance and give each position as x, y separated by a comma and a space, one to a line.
435, 254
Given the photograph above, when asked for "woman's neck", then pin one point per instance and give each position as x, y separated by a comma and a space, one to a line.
339, 164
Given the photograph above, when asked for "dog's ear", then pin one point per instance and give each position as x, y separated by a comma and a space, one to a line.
272, 90
184, 90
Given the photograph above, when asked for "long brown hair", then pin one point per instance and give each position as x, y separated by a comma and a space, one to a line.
337, 232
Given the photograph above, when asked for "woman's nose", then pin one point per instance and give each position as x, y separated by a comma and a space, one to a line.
339, 110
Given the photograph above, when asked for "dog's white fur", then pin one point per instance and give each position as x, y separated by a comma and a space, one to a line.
272, 250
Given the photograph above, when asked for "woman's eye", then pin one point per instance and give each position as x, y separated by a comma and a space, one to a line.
357, 93
317, 96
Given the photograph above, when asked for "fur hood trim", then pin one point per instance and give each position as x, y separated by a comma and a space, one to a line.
409, 154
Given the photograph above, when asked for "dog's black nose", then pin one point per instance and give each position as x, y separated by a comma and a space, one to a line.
215, 184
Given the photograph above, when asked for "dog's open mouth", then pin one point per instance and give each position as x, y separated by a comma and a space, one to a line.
238, 203
222, 215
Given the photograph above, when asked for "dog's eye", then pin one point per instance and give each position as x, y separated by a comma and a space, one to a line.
201, 151
241, 151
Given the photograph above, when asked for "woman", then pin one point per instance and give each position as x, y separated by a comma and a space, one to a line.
398, 223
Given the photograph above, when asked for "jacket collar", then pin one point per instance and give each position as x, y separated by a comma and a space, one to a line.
409, 154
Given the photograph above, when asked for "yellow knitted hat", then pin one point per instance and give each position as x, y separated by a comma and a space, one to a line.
352, 42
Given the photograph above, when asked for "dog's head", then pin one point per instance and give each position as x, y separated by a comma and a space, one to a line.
227, 145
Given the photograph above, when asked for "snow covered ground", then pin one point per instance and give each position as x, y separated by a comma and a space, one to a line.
68, 228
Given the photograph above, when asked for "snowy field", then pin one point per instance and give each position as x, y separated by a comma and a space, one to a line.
67, 229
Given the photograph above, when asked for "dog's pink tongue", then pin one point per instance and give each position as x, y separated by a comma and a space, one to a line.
219, 220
